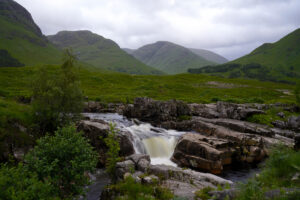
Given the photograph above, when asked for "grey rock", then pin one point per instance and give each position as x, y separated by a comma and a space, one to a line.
294, 123
236, 111
281, 114
150, 179
95, 130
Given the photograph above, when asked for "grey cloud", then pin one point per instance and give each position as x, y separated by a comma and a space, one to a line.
230, 27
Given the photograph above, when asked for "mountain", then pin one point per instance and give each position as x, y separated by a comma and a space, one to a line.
100, 52
210, 56
21, 39
129, 51
279, 61
169, 57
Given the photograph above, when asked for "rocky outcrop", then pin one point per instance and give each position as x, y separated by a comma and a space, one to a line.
95, 131
97, 107
236, 111
211, 153
182, 182
149, 110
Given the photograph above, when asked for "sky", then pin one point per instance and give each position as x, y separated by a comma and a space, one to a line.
231, 28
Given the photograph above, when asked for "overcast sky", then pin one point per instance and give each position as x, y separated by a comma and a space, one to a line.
231, 28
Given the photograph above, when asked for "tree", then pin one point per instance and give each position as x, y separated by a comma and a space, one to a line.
63, 159
57, 98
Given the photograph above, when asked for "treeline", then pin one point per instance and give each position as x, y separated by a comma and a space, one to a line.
251, 70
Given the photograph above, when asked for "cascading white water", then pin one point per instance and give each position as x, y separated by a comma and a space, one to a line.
159, 143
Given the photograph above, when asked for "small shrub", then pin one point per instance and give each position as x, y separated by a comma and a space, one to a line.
203, 194
184, 117
128, 189
63, 159
112, 142
252, 190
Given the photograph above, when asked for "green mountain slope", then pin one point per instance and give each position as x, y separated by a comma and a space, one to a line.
100, 52
22, 38
170, 58
278, 62
209, 55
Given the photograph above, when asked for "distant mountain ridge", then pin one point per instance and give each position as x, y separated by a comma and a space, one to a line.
210, 56
100, 52
279, 61
168, 57
22, 38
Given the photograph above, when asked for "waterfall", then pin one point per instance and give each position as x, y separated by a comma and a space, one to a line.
158, 143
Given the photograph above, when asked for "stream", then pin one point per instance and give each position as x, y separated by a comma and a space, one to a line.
158, 143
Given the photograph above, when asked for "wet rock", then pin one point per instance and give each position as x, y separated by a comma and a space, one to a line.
204, 110
94, 131
279, 124
297, 142
150, 179
240, 126
150, 110
92, 106
124, 167
208, 153
236, 111
281, 114
97, 107
293, 123
203, 153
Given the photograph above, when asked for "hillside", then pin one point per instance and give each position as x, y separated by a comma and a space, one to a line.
170, 58
22, 38
279, 61
100, 52
210, 56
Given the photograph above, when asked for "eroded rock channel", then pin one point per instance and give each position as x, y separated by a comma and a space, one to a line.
190, 145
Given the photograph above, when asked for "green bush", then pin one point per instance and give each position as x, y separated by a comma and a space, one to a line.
128, 189
57, 99
204, 193
17, 183
112, 142
63, 159
279, 169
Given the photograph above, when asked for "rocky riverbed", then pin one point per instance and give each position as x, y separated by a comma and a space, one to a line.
196, 140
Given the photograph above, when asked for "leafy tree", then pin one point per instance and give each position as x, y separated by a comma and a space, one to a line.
63, 159
112, 142
18, 183
57, 99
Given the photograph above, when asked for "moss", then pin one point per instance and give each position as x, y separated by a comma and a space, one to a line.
203, 193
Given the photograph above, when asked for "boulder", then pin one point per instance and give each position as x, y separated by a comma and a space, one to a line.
97, 107
293, 123
236, 111
208, 153
203, 153
95, 130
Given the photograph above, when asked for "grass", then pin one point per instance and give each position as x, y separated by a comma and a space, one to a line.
118, 87
278, 172
270, 116
25, 45
128, 189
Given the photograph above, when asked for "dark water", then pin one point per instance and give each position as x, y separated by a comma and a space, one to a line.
241, 173
100, 180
